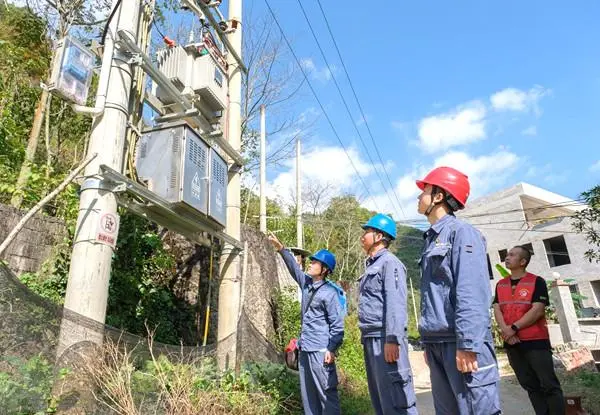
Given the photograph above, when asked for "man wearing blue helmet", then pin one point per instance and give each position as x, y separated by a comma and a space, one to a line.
383, 321
321, 333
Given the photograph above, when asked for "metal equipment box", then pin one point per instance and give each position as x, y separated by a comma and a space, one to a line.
193, 73
217, 205
174, 161
173, 63
210, 82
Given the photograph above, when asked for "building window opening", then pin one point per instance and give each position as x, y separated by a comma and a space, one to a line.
502, 254
529, 247
556, 250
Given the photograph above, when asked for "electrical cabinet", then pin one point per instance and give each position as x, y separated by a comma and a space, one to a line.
217, 207
194, 71
179, 166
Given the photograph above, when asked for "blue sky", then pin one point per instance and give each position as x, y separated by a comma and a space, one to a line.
506, 91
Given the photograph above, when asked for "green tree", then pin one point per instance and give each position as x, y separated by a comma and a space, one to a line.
24, 60
587, 222
338, 229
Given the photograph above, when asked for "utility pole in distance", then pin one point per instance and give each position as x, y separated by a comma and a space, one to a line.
230, 288
263, 171
299, 229
89, 273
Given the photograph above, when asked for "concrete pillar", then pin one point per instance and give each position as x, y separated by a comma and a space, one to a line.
560, 295
230, 288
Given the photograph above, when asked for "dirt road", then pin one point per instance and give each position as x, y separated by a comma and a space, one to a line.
514, 399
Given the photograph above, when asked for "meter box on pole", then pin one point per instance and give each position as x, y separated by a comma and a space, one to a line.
72, 71
179, 166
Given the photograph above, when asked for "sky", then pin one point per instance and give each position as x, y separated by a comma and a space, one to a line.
505, 91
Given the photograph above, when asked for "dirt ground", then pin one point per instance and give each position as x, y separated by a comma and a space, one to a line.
514, 399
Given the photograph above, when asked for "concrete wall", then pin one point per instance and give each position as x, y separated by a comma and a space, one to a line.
34, 244
265, 273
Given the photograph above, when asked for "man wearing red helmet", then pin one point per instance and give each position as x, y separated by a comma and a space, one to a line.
455, 323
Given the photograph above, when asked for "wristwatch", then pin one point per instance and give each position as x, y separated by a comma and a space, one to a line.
514, 327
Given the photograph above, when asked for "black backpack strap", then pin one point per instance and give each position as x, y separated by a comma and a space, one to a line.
310, 301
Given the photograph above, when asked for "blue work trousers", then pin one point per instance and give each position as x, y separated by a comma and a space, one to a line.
456, 393
318, 384
390, 384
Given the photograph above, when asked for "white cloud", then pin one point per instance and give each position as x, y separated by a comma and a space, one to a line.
323, 75
329, 165
548, 174
556, 178
463, 125
486, 173
595, 167
470, 122
513, 99
531, 130
536, 171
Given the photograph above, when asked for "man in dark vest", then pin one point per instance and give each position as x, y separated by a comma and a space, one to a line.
519, 308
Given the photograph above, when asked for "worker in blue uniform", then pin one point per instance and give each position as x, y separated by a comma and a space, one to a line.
322, 330
382, 319
455, 323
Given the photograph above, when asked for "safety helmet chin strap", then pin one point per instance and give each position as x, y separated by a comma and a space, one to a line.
375, 243
324, 270
434, 191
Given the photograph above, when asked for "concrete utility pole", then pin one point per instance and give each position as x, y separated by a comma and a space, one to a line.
230, 289
87, 287
263, 171
412, 294
299, 230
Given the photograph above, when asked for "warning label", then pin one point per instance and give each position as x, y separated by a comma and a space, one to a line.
108, 229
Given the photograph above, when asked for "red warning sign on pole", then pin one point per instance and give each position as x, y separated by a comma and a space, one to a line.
108, 229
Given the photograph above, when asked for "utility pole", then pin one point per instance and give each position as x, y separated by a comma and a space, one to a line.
412, 294
230, 289
89, 273
299, 230
263, 171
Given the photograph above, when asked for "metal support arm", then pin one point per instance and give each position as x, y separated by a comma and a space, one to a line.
201, 9
146, 64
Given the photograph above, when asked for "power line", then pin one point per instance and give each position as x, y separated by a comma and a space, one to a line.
569, 203
319, 101
362, 113
310, 218
337, 86
530, 230
523, 220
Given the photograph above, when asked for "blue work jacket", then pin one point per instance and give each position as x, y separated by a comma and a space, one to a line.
382, 298
323, 321
455, 286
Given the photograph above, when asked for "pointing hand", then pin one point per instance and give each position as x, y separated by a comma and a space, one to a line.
275, 242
